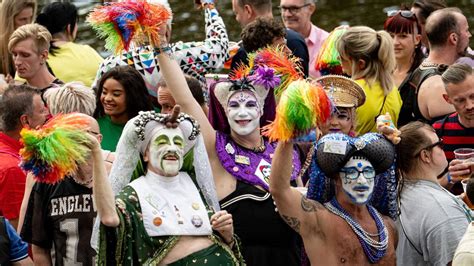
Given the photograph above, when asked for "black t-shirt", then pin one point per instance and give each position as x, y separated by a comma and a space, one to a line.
61, 215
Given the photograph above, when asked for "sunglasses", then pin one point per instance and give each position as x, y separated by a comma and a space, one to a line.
439, 143
404, 13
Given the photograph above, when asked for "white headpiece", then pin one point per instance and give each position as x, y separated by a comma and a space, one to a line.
136, 137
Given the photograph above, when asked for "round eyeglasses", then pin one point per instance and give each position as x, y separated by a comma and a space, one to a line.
352, 173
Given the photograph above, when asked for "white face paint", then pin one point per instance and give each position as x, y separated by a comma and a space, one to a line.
357, 178
166, 151
243, 113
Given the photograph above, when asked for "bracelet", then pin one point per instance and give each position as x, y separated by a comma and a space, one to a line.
165, 48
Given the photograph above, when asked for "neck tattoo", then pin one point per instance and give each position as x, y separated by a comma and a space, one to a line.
373, 249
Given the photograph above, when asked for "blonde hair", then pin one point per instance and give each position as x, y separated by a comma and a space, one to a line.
69, 98
376, 49
38, 33
9, 9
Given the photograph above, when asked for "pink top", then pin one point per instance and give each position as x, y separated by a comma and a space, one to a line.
314, 42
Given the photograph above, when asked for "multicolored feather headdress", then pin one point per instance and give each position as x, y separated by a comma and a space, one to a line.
302, 107
120, 23
56, 149
269, 68
284, 64
328, 58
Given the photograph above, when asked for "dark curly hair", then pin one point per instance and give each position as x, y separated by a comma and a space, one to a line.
261, 33
136, 94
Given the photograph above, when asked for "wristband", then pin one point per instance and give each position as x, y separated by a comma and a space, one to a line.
450, 180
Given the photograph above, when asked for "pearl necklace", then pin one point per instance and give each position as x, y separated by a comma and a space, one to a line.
374, 250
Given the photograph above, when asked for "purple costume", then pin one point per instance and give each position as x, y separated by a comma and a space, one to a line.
249, 166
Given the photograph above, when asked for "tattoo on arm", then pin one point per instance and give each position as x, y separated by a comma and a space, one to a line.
309, 205
292, 222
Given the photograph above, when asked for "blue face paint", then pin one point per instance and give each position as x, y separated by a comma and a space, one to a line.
358, 190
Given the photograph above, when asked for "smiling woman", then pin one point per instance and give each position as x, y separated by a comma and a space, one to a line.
121, 95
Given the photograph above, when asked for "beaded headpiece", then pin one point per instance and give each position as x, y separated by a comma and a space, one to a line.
149, 122
333, 152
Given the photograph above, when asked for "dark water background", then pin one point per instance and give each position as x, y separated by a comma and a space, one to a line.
188, 22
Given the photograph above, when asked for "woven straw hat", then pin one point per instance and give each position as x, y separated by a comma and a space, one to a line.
343, 91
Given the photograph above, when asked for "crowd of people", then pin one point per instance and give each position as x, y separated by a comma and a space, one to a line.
372, 164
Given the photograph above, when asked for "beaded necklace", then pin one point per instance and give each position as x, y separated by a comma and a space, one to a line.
374, 250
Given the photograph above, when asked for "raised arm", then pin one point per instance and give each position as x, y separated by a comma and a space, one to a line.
176, 82
296, 210
104, 198
212, 52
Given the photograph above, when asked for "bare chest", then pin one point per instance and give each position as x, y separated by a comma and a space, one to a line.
342, 246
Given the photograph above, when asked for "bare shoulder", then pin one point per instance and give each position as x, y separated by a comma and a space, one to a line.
309, 205
433, 82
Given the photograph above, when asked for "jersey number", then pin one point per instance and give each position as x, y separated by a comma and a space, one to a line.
71, 228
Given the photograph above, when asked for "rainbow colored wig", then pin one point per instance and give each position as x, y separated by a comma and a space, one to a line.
56, 149
302, 107
328, 58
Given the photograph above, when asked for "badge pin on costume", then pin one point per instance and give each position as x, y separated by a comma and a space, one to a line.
263, 171
242, 159
229, 148
196, 221
180, 219
157, 221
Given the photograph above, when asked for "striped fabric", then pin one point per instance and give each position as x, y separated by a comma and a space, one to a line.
454, 134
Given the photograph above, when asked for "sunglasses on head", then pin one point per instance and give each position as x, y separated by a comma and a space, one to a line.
439, 143
403, 13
